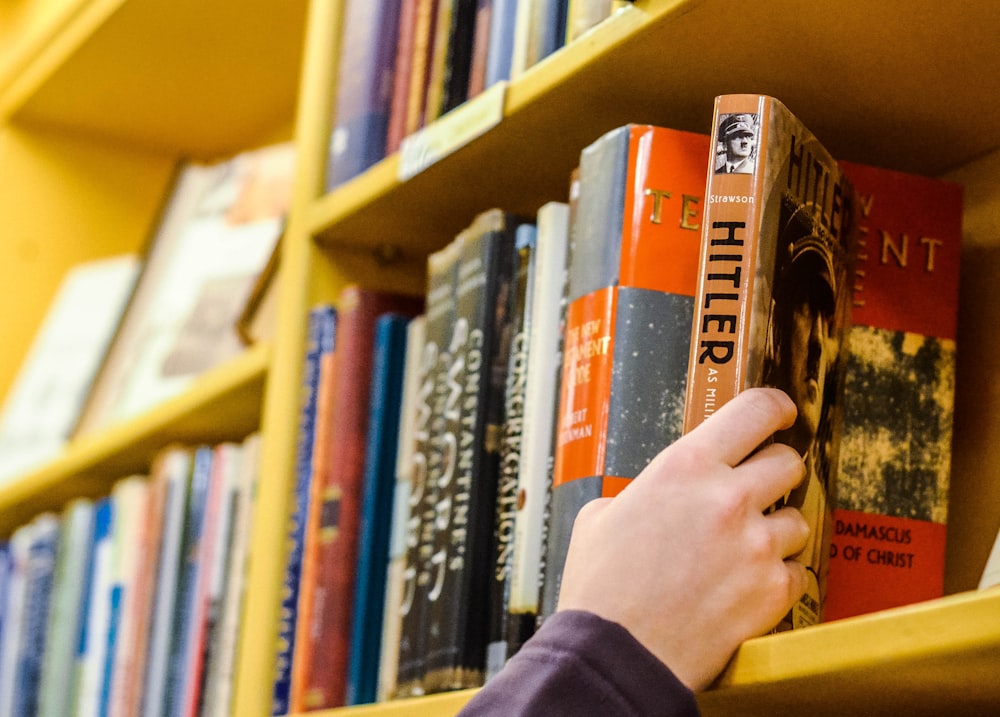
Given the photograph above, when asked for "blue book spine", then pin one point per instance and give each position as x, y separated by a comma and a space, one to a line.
500, 54
376, 508
92, 623
41, 569
364, 96
320, 342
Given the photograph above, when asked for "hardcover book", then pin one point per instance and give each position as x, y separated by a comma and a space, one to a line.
451, 57
512, 439
541, 381
405, 468
461, 563
376, 517
327, 592
890, 517
364, 88
632, 271
774, 298
442, 268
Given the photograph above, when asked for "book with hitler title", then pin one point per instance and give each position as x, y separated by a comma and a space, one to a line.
890, 516
773, 301
631, 278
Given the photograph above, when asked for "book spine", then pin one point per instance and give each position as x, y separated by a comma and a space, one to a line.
404, 472
364, 88
473, 408
403, 72
186, 612
376, 508
451, 57
38, 595
497, 649
773, 301
94, 630
542, 374
319, 349
14, 618
631, 280
890, 517
337, 497
442, 270
480, 47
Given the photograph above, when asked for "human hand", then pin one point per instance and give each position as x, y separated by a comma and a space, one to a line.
685, 558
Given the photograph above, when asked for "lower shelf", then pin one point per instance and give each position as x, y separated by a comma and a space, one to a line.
933, 658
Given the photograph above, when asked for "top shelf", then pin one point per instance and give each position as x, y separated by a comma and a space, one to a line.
896, 84
200, 79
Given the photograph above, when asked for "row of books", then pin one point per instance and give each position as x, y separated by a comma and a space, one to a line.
130, 604
404, 63
556, 355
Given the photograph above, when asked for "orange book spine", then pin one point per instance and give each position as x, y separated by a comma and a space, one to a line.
773, 301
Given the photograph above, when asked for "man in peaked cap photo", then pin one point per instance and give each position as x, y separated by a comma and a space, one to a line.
738, 137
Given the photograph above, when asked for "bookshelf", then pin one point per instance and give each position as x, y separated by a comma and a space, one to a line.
102, 97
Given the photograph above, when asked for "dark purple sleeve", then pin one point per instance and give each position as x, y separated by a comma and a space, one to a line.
580, 664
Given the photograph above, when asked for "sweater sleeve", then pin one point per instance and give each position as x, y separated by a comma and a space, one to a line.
580, 664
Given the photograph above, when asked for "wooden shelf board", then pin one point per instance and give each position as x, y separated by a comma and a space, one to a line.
224, 404
658, 61
195, 78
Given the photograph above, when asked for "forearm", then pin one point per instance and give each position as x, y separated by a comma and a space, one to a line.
580, 664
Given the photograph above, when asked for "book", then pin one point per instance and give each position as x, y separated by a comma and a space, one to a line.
500, 48
632, 271
318, 365
327, 590
451, 57
541, 30
376, 517
133, 649
774, 298
442, 268
461, 563
403, 71
225, 640
404, 473
174, 464
420, 66
191, 611
890, 515
541, 383
218, 229
39, 575
363, 100
130, 497
92, 654
14, 616
65, 611
512, 425
480, 47
48, 393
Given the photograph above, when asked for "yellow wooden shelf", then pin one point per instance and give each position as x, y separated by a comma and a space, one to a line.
913, 660
223, 404
196, 78
871, 98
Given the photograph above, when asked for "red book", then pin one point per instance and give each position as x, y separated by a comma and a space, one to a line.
327, 591
398, 108
890, 520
